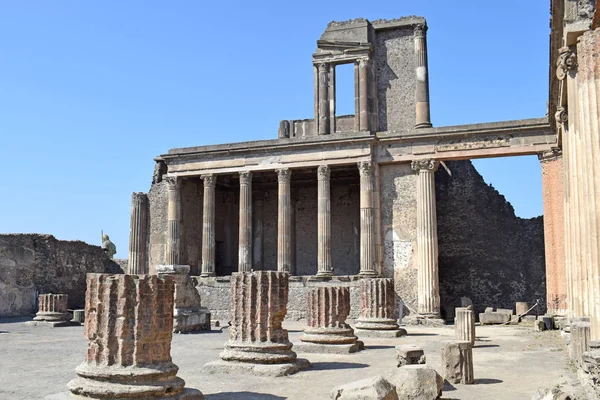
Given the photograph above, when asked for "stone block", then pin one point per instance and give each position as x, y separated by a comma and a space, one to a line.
382, 334
329, 348
539, 326
492, 318
417, 382
504, 311
376, 388
522, 308
408, 354
457, 361
489, 309
191, 320
257, 369
78, 316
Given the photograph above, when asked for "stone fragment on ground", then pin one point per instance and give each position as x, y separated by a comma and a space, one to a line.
417, 382
375, 388
408, 354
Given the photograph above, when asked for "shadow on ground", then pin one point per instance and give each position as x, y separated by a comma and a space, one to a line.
242, 395
422, 334
483, 346
325, 366
487, 381
378, 347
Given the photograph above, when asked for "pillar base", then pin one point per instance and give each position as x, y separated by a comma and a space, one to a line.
269, 370
423, 125
52, 324
188, 394
321, 276
207, 275
381, 324
368, 274
51, 316
383, 334
258, 352
427, 320
329, 348
333, 336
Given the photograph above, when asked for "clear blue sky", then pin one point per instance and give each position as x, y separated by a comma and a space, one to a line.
91, 91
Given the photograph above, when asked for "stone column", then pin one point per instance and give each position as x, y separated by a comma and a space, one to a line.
258, 232
208, 226
457, 361
327, 308
173, 220
368, 256
52, 309
363, 97
427, 251
258, 304
138, 234
554, 240
293, 232
579, 339
245, 238
284, 221
464, 324
325, 268
423, 119
128, 323
323, 108
378, 309
331, 95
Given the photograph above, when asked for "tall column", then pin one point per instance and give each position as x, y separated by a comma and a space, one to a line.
258, 232
553, 196
129, 323
331, 96
368, 257
284, 221
208, 226
363, 96
293, 232
423, 119
173, 220
138, 234
245, 238
427, 250
325, 268
323, 109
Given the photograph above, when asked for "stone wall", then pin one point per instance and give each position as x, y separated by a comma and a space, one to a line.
32, 264
485, 252
157, 246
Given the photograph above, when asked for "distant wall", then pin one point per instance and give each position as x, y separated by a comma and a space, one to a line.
31, 264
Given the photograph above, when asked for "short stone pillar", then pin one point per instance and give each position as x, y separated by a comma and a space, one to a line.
409, 354
464, 324
188, 313
457, 361
327, 331
522, 308
129, 323
78, 316
378, 309
257, 341
580, 339
52, 311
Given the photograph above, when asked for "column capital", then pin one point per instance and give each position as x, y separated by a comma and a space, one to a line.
365, 168
322, 66
210, 180
173, 182
566, 62
420, 30
427, 164
323, 172
363, 62
550, 155
245, 177
284, 175
561, 116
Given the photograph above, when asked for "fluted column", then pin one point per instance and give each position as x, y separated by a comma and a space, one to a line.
363, 96
128, 323
52, 307
138, 234
464, 324
284, 221
323, 99
427, 250
423, 119
208, 226
325, 268
368, 257
245, 238
173, 220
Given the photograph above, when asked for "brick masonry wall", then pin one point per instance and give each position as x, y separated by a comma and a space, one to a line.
32, 263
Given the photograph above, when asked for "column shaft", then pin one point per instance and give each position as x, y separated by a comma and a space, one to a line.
325, 268
363, 85
423, 119
427, 251
258, 232
245, 238
138, 234
368, 258
323, 112
284, 221
208, 226
173, 220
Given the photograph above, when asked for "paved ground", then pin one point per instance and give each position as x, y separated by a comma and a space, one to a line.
510, 363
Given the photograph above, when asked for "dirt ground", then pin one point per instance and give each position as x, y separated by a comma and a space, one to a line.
510, 362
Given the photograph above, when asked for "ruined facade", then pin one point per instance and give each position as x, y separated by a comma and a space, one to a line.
339, 197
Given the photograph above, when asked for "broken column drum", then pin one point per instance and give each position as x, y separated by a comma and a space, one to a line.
378, 308
464, 325
327, 309
52, 307
128, 323
457, 361
257, 309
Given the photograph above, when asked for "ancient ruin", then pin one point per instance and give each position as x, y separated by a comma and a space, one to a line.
128, 324
378, 316
52, 311
457, 361
464, 324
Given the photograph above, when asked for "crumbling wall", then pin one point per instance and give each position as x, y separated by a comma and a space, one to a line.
485, 252
32, 264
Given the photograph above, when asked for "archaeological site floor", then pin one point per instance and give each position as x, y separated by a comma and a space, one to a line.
509, 363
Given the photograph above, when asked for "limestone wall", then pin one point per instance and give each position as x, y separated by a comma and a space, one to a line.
31, 264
